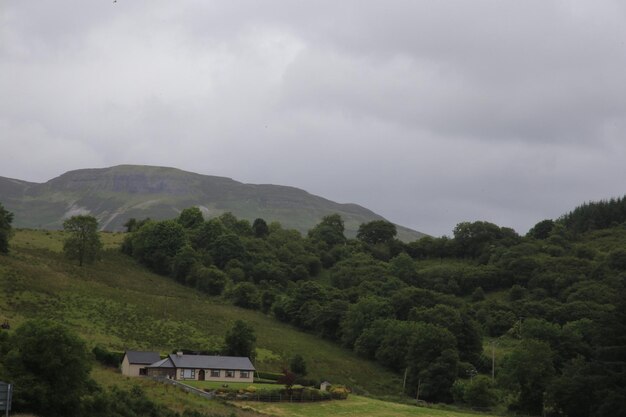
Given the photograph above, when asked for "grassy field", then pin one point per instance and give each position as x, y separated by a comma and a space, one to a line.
355, 406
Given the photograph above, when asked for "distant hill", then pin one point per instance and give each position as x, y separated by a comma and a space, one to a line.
113, 195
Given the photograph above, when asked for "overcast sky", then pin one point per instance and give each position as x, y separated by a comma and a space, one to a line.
427, 112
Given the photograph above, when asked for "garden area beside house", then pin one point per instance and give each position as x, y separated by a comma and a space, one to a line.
268, 392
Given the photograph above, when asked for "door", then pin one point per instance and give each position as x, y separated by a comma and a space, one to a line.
201, 375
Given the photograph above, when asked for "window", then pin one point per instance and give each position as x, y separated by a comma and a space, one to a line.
188, 373
215, 373
244, 374
230, 373
143, 371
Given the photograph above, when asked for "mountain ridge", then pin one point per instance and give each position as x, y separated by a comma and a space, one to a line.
115, 194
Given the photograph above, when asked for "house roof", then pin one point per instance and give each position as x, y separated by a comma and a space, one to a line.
142, 358
163, 363
205, 362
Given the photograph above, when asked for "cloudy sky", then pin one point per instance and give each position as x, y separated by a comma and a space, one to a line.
427, 112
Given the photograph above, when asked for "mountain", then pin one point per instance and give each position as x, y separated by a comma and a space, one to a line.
115, 194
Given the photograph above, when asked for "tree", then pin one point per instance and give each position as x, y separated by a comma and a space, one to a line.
244, 294
394, 344
527, 371
240, 340
432, 362
479, 392
575, 392
298, 365
329, 230
209, 280
183, 262
403, 267
226, 248
83, 243
360, 315
156, 243
478, 294
133, 224
205, 235
542, 229
287, 379
377, 231
6, 218
260, 229
477, 238
191, 218
49, 368
617, 259
234, 225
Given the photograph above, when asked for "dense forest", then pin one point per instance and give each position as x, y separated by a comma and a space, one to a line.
554, 298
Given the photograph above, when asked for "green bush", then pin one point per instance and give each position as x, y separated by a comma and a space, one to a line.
307, 382
339, 392
272, 376
108, 358
479, 392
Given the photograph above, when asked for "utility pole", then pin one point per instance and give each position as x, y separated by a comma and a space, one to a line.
406, 371
493, 360
417, 396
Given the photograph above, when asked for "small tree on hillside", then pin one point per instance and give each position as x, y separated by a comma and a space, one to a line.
298, 365
377, 231
260, 228
240, 340
83, 243
6, 218
288, 378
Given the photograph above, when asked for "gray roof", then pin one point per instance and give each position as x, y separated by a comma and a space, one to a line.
163, 363
205, 362
142, 358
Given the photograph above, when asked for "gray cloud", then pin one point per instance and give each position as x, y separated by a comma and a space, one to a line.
429, 113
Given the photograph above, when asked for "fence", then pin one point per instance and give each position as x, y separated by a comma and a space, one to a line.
275, 396
184, 387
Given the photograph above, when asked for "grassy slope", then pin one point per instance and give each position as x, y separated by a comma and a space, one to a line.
354, 406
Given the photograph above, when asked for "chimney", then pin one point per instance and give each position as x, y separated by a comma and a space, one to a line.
179, 354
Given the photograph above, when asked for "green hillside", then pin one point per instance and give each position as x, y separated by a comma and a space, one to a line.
113, 195
118, 304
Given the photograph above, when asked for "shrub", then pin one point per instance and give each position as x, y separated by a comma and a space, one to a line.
273, 376
339, 392
307, 382
298, 365
458, 391
479, 393
108, 358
